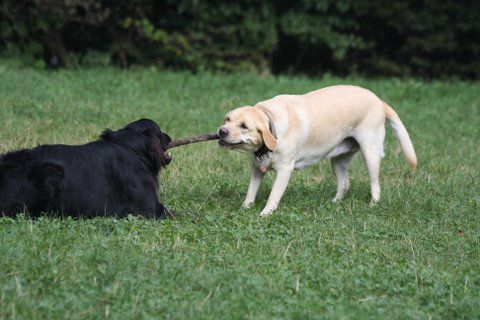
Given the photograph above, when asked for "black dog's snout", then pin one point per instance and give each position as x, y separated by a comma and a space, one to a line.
223, 132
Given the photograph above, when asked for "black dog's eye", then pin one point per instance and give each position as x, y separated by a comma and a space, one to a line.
243, 125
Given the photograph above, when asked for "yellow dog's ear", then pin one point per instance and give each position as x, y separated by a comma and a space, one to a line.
268, 138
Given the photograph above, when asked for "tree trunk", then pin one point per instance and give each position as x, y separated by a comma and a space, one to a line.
55, 53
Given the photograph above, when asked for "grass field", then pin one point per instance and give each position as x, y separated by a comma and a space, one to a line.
414, 255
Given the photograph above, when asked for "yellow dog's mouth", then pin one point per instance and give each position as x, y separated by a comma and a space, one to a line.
225, 144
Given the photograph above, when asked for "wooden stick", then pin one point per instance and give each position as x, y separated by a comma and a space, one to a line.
203, 137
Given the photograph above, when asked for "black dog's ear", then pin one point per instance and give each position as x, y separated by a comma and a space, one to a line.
155, 149
165, 139
107, 134
46, 173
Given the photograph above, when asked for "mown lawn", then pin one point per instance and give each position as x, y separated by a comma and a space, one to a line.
414, 255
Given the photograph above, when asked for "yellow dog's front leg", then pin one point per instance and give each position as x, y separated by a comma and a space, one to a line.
284, 173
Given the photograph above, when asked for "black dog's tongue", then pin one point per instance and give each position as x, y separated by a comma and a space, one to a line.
199, 138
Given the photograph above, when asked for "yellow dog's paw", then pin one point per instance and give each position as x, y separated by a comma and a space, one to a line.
266, 213
247, 205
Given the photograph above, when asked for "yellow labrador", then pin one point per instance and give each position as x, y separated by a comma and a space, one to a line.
291, 132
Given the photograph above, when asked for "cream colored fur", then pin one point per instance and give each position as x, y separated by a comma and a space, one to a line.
330, 123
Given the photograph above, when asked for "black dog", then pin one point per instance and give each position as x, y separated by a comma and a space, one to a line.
115, 175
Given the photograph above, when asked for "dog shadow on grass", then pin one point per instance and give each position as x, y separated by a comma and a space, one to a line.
227, 197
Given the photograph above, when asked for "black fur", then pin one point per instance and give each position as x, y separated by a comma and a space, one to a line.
114, 175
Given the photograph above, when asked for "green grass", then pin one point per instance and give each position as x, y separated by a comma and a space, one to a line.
414, 255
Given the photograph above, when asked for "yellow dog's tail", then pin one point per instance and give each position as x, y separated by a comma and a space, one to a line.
402, 135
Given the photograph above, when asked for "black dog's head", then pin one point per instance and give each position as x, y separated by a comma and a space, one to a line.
143, 136
28, 186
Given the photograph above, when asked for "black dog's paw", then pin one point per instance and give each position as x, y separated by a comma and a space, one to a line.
169, 213
165, 213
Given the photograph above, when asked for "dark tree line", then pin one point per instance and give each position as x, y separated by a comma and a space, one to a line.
430, 38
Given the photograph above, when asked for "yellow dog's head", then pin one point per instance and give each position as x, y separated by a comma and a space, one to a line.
246, 129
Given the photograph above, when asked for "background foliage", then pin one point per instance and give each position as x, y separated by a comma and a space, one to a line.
430, 38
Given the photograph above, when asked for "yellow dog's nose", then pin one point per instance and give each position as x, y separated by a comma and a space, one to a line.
223, 132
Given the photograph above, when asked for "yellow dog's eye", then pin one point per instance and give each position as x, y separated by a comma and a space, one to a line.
227, 119
243, 125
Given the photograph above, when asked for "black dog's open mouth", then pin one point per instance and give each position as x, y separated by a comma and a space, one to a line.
166, 159
226, 144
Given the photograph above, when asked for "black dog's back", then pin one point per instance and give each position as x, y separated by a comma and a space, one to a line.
114, 175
